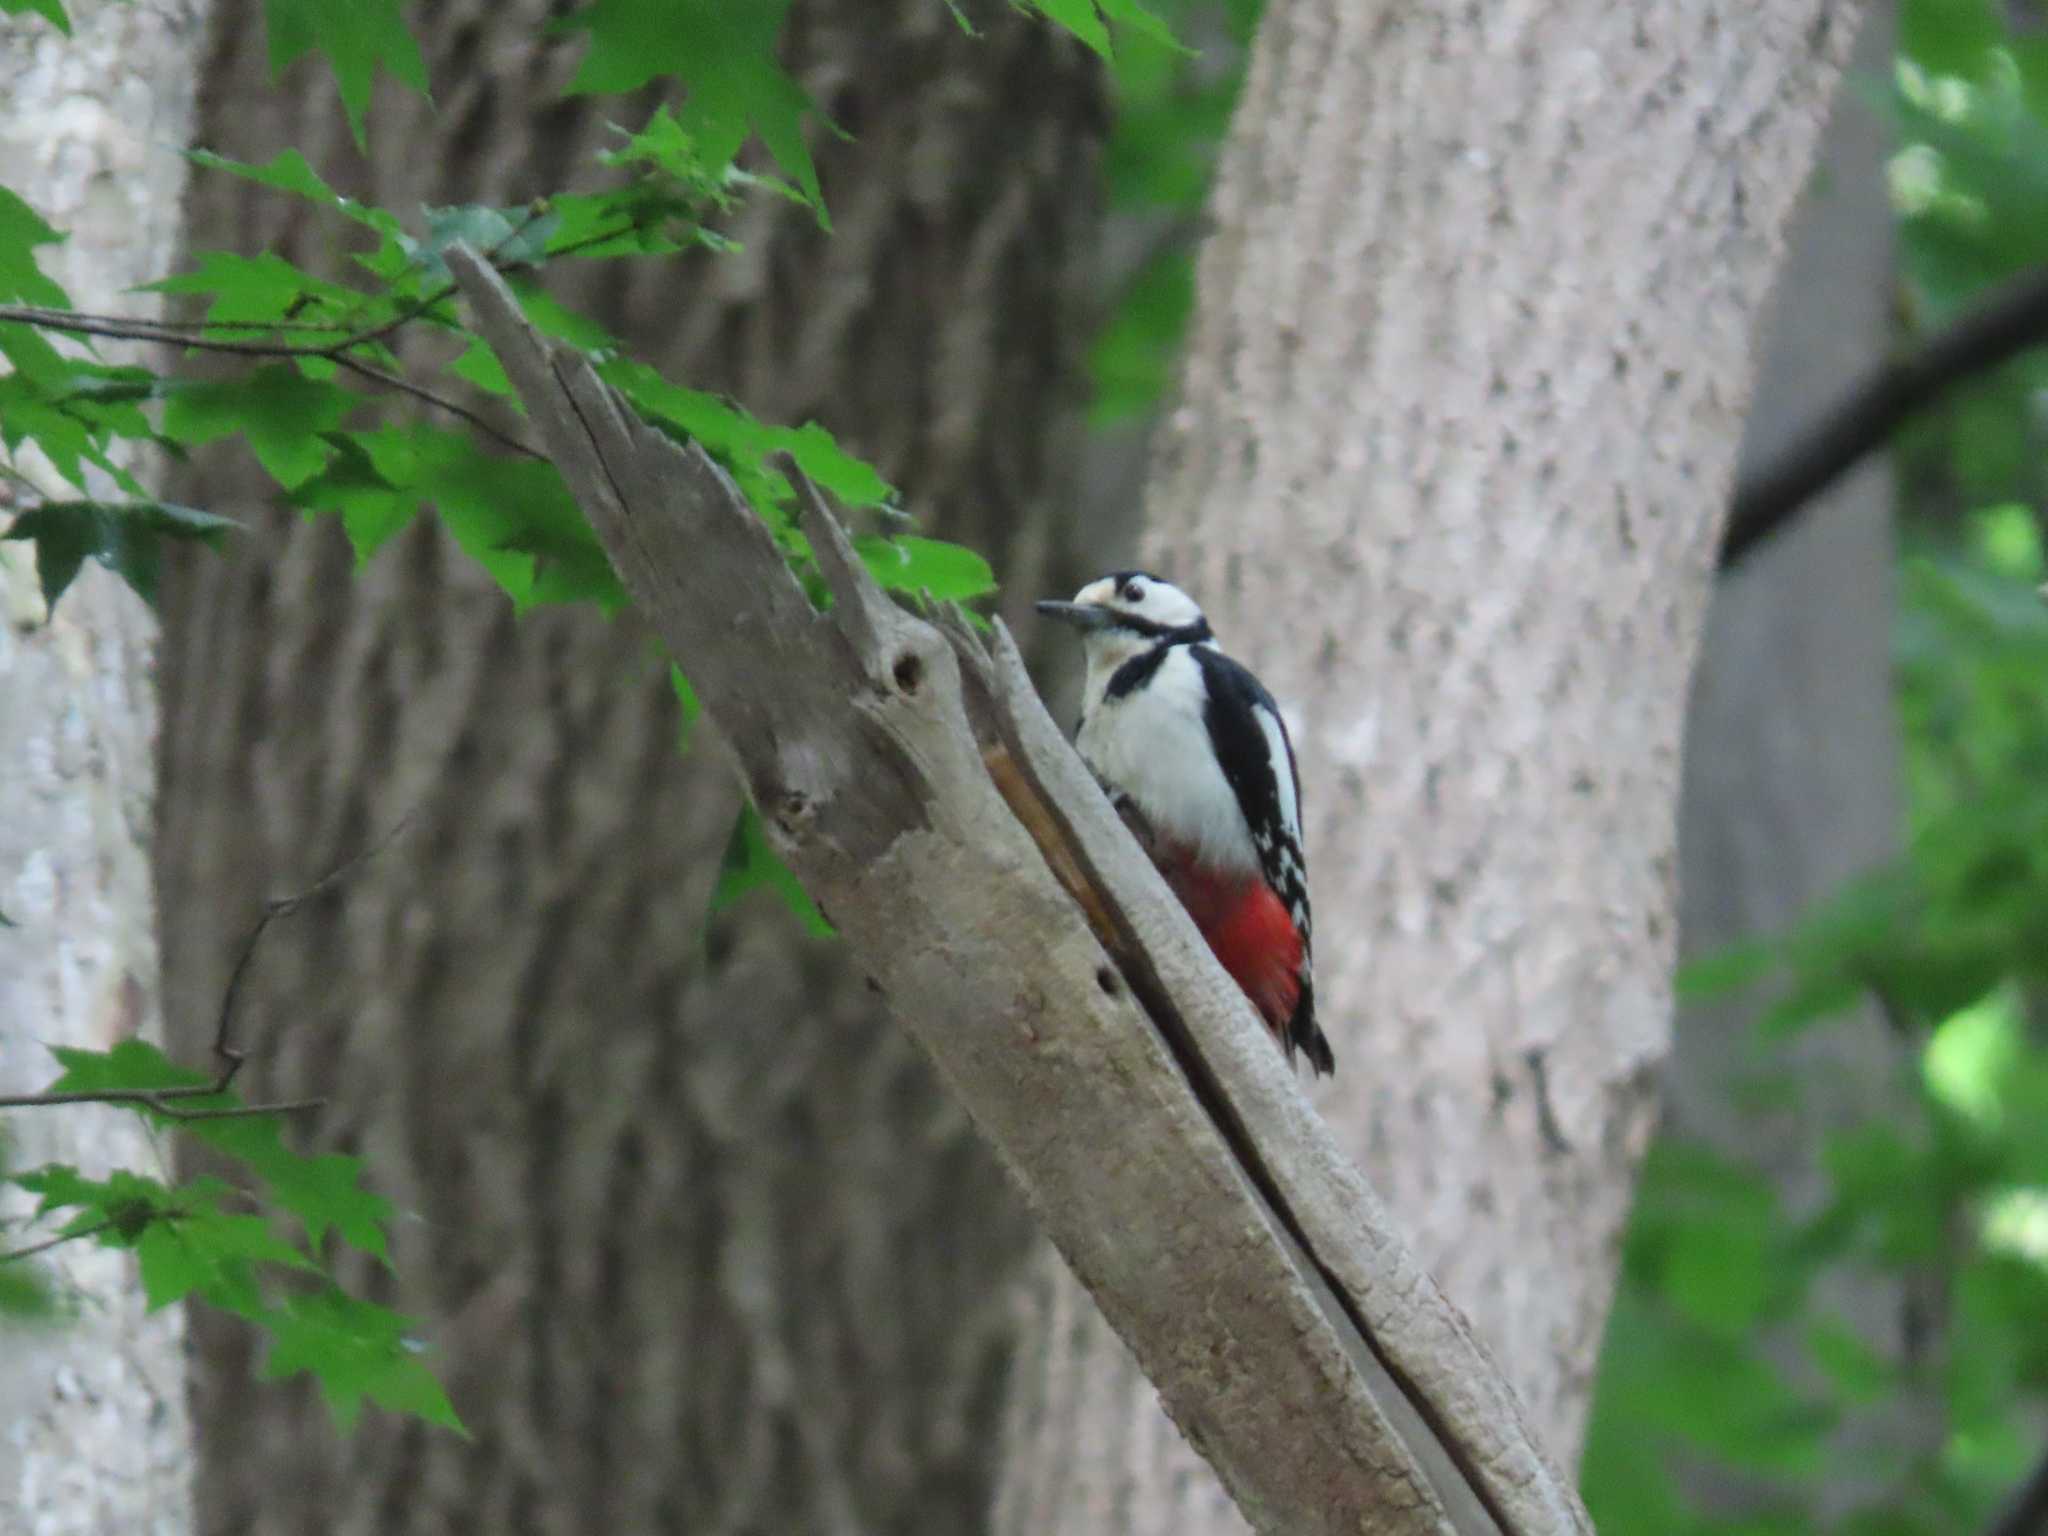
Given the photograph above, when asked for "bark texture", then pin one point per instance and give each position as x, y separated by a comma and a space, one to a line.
1471, 351
1791, 783
701, 1243
94, 1436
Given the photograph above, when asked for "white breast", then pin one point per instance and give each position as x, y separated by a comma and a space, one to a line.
1153, 746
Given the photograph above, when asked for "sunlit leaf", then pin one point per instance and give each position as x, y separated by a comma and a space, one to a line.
907, 563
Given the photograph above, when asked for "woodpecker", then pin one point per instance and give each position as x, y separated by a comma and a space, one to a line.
1192, 749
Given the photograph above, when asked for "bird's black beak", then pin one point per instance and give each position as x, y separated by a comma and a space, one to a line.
1080, 615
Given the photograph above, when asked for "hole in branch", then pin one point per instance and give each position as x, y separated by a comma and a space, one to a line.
909, 672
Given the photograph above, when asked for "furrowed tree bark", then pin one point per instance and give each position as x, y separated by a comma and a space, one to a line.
697, 1238
1471, 348
94, 1436
919, 788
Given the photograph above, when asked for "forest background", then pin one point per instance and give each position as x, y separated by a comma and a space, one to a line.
1827, 1312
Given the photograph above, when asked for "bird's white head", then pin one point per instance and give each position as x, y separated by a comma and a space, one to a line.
1127, 612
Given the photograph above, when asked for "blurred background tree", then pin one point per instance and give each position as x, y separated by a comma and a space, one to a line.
1836, 1281
1834, 1304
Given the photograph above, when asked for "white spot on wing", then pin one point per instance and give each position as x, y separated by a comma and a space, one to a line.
1282, 763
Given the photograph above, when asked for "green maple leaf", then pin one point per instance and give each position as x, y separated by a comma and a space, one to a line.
123, 536
514, 517
281, 412
287, 171
1088, 21
747, 446
356, 1350
21, 231
325, 1193
50, 10
907, 563
724, 52
257, 291
357, 37
198, 1248
116, 1210
371, 507
751, 864
1079, 17
131, 1064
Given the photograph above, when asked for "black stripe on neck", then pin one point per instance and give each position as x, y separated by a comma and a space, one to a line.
1166, 634
1137, 672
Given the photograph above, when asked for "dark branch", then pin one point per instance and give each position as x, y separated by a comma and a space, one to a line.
157, 1099
126, 328
53, 1242
454, 408
227, 1053
339, 353
2013, 321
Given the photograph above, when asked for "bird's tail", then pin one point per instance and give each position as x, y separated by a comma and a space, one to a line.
1304, 1034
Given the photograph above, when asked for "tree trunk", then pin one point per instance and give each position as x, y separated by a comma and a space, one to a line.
1792, 772
700, 1243
93, 1429
1471, 350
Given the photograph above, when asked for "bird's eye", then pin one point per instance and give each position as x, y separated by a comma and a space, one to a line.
1133, 593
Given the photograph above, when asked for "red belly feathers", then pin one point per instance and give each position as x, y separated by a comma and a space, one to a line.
1249, 931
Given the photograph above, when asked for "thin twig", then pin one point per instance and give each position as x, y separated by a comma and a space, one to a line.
191, 333
51, 1242
181, 331
406, 315
27, 314
226, 1052
157, 1099
105, 1096
448, 290
439, 295
241, 1111
126, 328
599, 237
338, 354
454, 408
2014, 320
